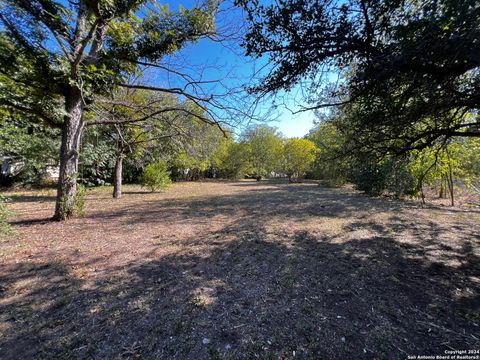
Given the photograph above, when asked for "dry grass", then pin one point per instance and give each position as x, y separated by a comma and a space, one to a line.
238, 271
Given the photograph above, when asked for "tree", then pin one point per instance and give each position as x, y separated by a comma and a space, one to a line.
231, 159
445, 164
97, 157
331, 164
132, 137
57, 57
197, 145
408, 70
299, 155
391, 175
264, 147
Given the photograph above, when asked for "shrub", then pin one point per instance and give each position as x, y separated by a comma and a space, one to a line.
156, 176
4, 216
390, 176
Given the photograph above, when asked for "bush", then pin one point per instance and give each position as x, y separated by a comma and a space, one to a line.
156, 176
4, 216
390, 176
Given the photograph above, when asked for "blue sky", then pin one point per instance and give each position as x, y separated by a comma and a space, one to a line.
295, 125
226, 61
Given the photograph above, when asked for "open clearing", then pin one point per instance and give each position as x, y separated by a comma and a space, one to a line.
239, 270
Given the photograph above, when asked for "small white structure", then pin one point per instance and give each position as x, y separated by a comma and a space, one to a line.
274, 174
52, 172
11, 166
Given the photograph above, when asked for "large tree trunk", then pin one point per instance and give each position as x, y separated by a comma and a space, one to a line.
69, 152
117, 177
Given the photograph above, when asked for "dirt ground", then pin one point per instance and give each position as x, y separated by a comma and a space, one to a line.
239, 270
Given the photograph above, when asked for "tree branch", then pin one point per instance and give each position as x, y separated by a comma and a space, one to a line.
35, 112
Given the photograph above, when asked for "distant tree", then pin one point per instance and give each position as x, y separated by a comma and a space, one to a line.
97, 157
133, 135
409, 70
331, 163
219, 156
299, 155
189, 167
198, 143
447, 163
232, 159
264, 146
390, 175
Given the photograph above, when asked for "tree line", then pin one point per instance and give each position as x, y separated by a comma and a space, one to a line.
189, 148
445, 166
183, 148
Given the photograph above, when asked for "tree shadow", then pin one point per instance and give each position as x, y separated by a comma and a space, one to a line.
290, 201
243, 292
21, 198
31, 222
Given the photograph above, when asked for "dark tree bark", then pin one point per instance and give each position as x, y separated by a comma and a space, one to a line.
117, 177
69, 152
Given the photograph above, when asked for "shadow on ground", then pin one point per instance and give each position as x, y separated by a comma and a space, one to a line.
294, 202
243, 292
